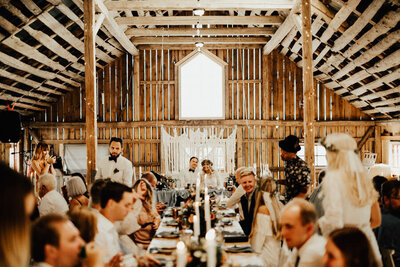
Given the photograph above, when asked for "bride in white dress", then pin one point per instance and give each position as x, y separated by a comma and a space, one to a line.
349, 195
265, 237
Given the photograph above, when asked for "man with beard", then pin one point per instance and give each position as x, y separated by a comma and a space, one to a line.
297, 173
116, 167
388, 232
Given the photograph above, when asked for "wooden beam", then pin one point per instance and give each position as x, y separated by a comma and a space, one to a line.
192, 40
282, 31
90, 88
193, 20
179, 123
136, 87
204, 4
365, 137
27, 93
192, 46
115, 30
308, 87
378, 144
99, 22
166, 32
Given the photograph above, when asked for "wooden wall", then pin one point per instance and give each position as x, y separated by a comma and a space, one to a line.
264, 99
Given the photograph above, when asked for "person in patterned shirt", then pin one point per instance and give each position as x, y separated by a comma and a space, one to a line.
297, 173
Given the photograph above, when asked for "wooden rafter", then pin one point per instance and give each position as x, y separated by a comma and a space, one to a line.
192, 40
204, 4
192, 20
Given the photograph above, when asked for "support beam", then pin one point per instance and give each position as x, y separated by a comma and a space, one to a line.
378, 144
90, 87
136, 87
167, 32
205, 40
309, 107
192, 20
99, 21
365, 137
115, 30
204, 4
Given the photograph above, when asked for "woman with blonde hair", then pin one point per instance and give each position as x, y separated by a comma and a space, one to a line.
75, 189
148, 219
16, 205
265, 236
209, 176
349, 195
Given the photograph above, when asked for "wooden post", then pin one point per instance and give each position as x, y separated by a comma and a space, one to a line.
266, 93
136, 87
308, 88
90, 86
378, 144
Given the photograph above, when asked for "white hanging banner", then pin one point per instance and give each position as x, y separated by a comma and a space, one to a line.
203, 143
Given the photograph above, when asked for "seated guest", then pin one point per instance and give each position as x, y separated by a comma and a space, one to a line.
148, 218
76, 188
378, 181
56, 242
209, 176
77, 174
151, 178
247, 202
388, 232
17, 202
189, 176
85, 219
52, 201
265, 236
238, 192
95, 193
348, 247
317, 196
298, 220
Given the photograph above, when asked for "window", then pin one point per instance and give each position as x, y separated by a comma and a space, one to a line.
394, 157
319, 152
201, 86
75, 159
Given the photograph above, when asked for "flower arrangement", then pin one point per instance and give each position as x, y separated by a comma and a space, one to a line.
189, 212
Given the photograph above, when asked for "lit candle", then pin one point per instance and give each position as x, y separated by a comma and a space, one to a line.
207, 215
196, 226
180, 254
140, 172
198, 188
134, 175
211, 248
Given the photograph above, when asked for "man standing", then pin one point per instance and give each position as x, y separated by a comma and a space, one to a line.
52, 201
298, 219
55, 242
116, 167
189, 176
297, 173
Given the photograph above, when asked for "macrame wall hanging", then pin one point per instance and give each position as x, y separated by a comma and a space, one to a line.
203, 143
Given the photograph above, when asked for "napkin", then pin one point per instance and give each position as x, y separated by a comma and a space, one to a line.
239, 249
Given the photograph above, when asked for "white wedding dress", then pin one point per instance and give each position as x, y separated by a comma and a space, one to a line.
263, 241
340, 211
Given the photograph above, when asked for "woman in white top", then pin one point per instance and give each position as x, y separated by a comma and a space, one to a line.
208, 176
265, 236
349, 195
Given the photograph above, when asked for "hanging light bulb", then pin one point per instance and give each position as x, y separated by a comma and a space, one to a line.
198, 12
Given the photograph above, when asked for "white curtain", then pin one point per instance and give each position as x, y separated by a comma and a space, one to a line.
203, 143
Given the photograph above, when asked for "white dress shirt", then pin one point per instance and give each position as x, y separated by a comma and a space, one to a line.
107, 169
310, 253
235, 198
41, 264
188, 177
53, 202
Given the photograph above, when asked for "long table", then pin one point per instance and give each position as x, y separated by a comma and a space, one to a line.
168, 244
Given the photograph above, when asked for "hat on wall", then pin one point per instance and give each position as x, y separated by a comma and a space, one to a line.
290, 144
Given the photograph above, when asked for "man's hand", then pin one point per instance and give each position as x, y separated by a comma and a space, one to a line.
148, 261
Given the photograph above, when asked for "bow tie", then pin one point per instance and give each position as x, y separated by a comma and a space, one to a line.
191, 170
110, 158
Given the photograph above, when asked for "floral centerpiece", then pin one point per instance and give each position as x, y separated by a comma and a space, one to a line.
188, 212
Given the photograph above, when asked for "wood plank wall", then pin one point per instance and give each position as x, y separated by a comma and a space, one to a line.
260, 88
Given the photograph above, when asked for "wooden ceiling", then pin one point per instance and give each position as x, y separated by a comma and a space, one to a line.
355, 42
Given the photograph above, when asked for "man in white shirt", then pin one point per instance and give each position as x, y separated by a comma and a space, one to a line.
239, 191
189, 176
55, 242
116, 166
52, 201
298, 219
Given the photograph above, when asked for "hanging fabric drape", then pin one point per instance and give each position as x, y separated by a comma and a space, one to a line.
203, 143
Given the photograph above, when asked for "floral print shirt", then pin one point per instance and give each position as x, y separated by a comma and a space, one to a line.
297, 176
